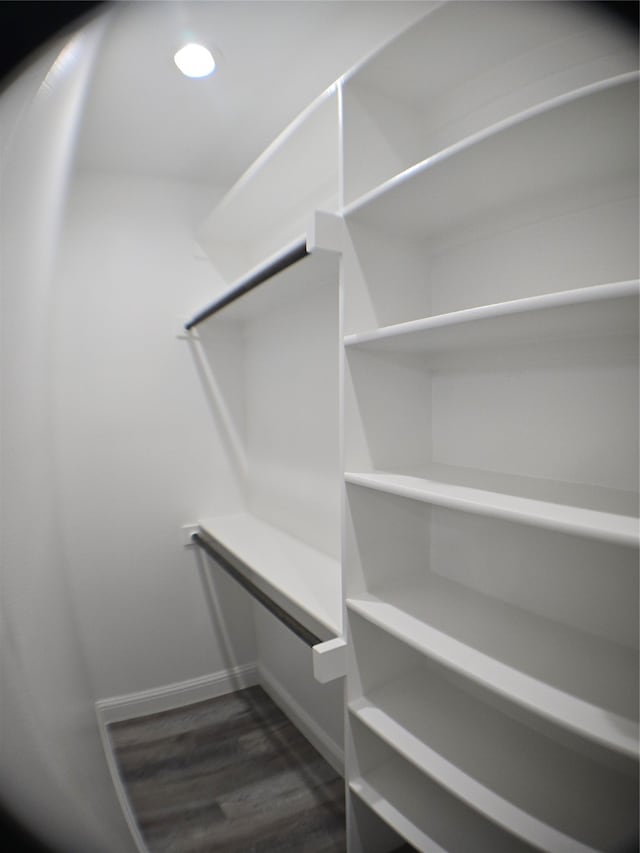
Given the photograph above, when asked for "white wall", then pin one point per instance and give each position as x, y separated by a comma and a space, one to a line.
138, 452
108, 447
53, 777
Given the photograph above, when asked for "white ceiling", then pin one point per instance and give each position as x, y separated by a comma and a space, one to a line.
274, 57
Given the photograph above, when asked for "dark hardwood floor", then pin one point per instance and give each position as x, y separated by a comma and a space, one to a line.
230, 775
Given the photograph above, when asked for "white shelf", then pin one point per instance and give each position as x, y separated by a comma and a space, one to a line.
268, 205
594, 512
547, 795
598, 310
577, 681
390, 813
430, 86
579, 139
426, 815
302, 580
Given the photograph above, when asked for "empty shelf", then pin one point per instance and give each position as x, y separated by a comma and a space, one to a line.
573, 679
428, 816
304, 582
570, 141
546, 794
542, 503
598, 310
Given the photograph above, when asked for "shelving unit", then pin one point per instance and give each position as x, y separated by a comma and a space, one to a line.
433, 413
490, 285
533, 787
580, 682
562, 175
423, 423
258, 346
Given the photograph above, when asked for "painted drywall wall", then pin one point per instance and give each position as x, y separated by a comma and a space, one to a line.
108, 447
138, 451
53, 777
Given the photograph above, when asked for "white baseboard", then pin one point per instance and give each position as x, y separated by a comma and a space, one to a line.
121, 794
164, 698
326, 746
176, 695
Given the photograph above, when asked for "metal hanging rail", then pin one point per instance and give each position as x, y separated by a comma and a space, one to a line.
280, 263
210, 547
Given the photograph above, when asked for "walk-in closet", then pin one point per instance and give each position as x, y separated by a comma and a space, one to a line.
321, 430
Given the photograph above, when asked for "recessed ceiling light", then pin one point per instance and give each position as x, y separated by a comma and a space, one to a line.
194, 60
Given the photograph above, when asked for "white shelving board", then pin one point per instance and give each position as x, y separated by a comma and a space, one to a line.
576, 680
547, 795
392, 815
579, 139
417, 95
542, 503
303, 581
592, 311
505, 38
426, 815
268, 205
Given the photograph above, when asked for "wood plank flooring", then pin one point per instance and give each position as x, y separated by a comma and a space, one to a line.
232, 775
